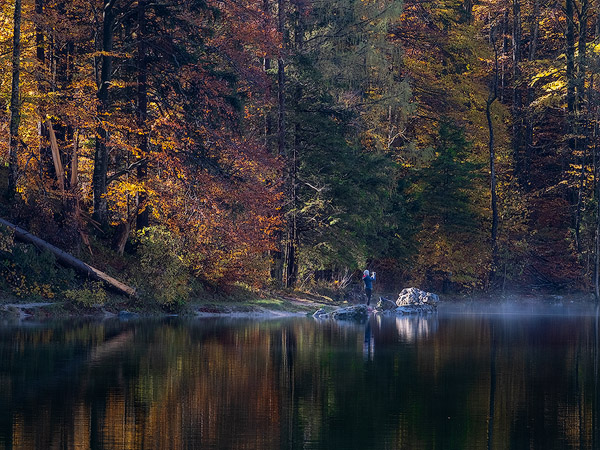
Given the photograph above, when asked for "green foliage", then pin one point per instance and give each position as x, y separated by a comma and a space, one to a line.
90, 294
452, 240
162, 274
449, 182
28, 272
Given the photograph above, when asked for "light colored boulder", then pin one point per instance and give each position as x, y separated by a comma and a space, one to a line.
414, 296
416, 301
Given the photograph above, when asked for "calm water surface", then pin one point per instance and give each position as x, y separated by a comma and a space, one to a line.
448, 382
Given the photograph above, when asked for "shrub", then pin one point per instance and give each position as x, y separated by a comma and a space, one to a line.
162, 273
91, 294
31, 273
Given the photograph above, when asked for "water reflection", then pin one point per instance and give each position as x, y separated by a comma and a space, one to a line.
459, 382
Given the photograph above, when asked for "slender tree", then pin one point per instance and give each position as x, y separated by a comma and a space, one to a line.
142, 114
579, 126
517, 102
529, 117
15, 106
493, 95
101, 153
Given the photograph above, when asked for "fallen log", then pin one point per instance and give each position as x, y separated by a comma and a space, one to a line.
69, 260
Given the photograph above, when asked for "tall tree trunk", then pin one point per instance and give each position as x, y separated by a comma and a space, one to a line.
276, 254
291, 263
44, 136
579, 129
597, 186
468, 7
504, 50
143, 216
280, 258
493, 95
535, 27
596, 136
267, 67
281, 83
570, 70
517, 101
15, 107
101, 154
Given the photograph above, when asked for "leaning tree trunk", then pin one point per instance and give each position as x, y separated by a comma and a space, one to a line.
68, 259
15, 107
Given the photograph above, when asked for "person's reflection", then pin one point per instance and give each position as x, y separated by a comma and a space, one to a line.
368, 343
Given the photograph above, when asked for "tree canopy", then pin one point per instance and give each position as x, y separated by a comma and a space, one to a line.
291, 142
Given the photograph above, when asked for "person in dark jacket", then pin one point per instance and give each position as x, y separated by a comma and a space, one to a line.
368, 279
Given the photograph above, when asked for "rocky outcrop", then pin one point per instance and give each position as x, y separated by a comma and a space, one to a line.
385, 304
416, 301
358, 313
414, 296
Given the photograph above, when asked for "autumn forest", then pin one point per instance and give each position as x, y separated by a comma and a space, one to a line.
447, 144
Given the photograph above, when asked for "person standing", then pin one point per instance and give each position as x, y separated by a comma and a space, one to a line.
368, 279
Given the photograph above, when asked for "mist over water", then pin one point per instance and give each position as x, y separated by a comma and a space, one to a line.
484, 379
552, 305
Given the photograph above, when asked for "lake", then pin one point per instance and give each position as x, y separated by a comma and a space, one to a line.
453, 381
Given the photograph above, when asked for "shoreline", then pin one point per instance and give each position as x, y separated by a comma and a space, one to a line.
260, 308
276, 306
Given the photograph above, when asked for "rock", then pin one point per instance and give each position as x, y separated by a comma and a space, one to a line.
416, 301
321, 314
385, 304
414, 296
358, 312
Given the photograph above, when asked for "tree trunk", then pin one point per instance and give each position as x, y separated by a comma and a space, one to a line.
143, 217
517, 101
101, 152
535, 27
276, 254
278, 263
44, 147
504, 50
74, 180
58, 166
281, 84
579, 129
68, 259
493, 95
267, 66
597, 176
597, 186
468, 6
570, 70
15, 106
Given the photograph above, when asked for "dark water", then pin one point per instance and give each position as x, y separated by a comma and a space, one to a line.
450, 382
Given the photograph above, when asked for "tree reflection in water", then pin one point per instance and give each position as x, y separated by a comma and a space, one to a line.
410, 382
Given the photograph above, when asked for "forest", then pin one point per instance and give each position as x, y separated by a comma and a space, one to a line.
184, 145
